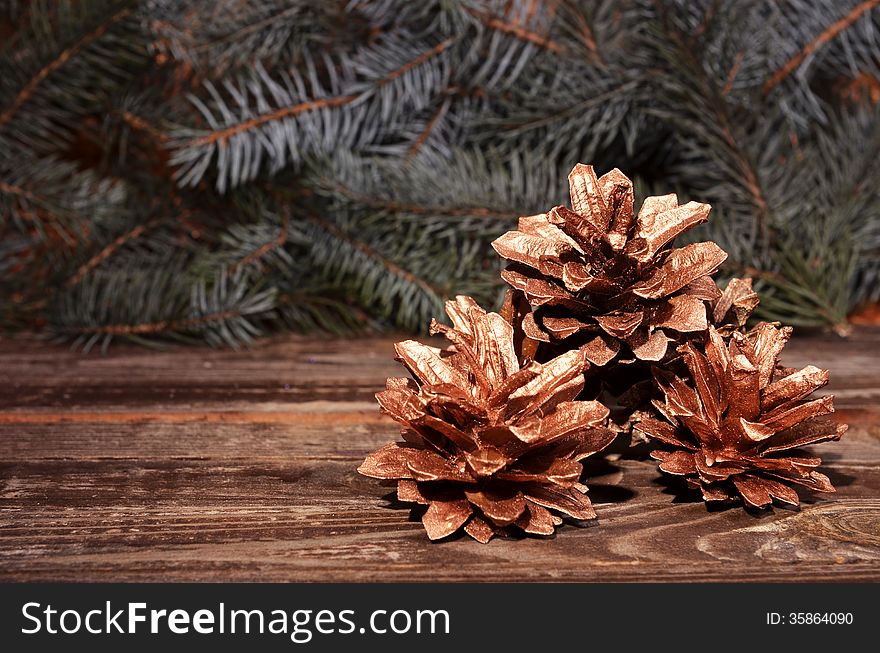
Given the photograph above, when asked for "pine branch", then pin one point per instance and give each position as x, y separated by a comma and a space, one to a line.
721, 121
109, 250
140, 124
368, 152
731, 76
422, 58
38, 196
224, 135
58, 62
423, 136
515, 30
264, 249
825, 37
374, 255
587, 37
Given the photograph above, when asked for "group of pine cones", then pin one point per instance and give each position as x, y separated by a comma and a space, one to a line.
602, 311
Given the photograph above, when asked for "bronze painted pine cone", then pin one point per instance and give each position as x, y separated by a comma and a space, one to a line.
492, 444
599, 276
733, 425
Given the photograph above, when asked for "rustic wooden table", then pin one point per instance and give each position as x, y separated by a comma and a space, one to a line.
194, 464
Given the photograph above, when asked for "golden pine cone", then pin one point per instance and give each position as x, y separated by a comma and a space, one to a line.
733, 424
600, 277
492, 443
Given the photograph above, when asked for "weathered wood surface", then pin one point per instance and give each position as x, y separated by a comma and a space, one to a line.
193, 464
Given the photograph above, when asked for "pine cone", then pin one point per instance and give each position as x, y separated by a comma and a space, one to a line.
492, 445
598, 276
730, 427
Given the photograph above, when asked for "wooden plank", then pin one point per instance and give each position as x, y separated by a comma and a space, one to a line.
155, 466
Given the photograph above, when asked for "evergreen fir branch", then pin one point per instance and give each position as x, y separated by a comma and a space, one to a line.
361, 248
820, 40
71, 58
368, 152
241, 141
109, 250
585, 34
734, 71
393, 207
580, 95
224, 135
51, 67
131, 135
813, 49
219, 310
489, 186
424, 73
216, 36
39, 195
708, 116
279, 248
316, 310
812, 288
140, 124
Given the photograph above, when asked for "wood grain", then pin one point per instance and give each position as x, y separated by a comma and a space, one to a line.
193, 464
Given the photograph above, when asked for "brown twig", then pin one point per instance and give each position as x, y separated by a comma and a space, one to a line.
312, 105
155, 327
418, 61
31, 87
823, 38
429, 127
108, 251
136, 122
734, 70
523, 34
588, 38
284, 112
264, 249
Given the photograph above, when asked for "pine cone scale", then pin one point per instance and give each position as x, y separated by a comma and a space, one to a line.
795, 386
683, 313
659, 229
570, 502
680, 268
818, 430
783, 417
443, 518
587, 199
502, 508
536, 520
428, 364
